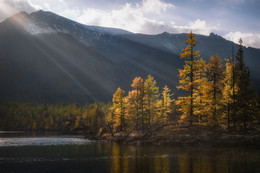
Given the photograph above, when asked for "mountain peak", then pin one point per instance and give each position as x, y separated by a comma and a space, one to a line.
165, 33
63, 24
212, 34
21, 14
47, 14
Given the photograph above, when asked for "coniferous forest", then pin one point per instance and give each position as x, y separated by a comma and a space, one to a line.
216, 95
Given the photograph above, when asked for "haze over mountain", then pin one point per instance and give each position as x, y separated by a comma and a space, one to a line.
48, 58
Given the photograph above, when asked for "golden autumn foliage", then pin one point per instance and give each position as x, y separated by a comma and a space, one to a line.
187, 79
138, 88
214, 88
188, 51
143, 106
119, 106
200, 82
166, 103
151, 96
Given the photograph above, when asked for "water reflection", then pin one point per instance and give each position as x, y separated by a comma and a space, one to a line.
73, 154
126, 159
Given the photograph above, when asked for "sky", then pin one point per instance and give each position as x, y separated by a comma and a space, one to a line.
231, 19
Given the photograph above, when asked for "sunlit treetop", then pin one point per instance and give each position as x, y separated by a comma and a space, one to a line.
188, 51
192, 40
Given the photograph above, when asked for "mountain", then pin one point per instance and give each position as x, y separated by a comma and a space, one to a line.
48, 58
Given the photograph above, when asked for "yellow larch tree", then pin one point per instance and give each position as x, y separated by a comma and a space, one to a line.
200, 81
119, 106
214, 87
166, 103
229, 90
151, 95
136, 102
186, 81
132, 110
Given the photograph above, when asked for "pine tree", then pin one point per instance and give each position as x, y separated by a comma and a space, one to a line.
151, 92
234, 89
246, 97
187, 79
119, 109
214, 89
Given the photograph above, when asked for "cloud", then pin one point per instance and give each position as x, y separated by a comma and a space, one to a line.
46, 5
249, 39
9, 7
137, 18
129, 17
155, 6
145, 17
198, 26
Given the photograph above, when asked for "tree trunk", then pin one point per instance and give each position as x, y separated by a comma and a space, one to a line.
191, 90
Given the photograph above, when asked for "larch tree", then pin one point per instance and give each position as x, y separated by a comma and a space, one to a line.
187, 79
151, 95
132, 110
200, 82
166, 103
119, 104
229, 92
138, 100
214, 89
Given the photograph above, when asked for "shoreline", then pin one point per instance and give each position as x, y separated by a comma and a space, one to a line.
223, 141
171, 138
185, 137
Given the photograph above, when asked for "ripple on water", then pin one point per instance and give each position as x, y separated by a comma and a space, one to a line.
42, 141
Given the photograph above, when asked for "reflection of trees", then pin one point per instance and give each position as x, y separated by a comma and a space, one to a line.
204, 163
120, 161
127, 159
162, 164
142, 159
115, 166
194, 164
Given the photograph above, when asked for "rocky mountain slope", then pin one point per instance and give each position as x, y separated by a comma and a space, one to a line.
48, 58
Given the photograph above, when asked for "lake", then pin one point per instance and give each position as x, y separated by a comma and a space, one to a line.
50, 152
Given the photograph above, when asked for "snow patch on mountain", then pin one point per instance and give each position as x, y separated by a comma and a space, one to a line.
34, 29
48, 22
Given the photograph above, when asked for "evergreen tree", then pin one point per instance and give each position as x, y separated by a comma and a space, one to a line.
234, 90
246, 96
187, 80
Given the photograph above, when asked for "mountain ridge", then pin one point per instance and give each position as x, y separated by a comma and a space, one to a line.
85, 64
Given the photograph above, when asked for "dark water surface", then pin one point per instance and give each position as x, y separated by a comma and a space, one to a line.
28, 152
